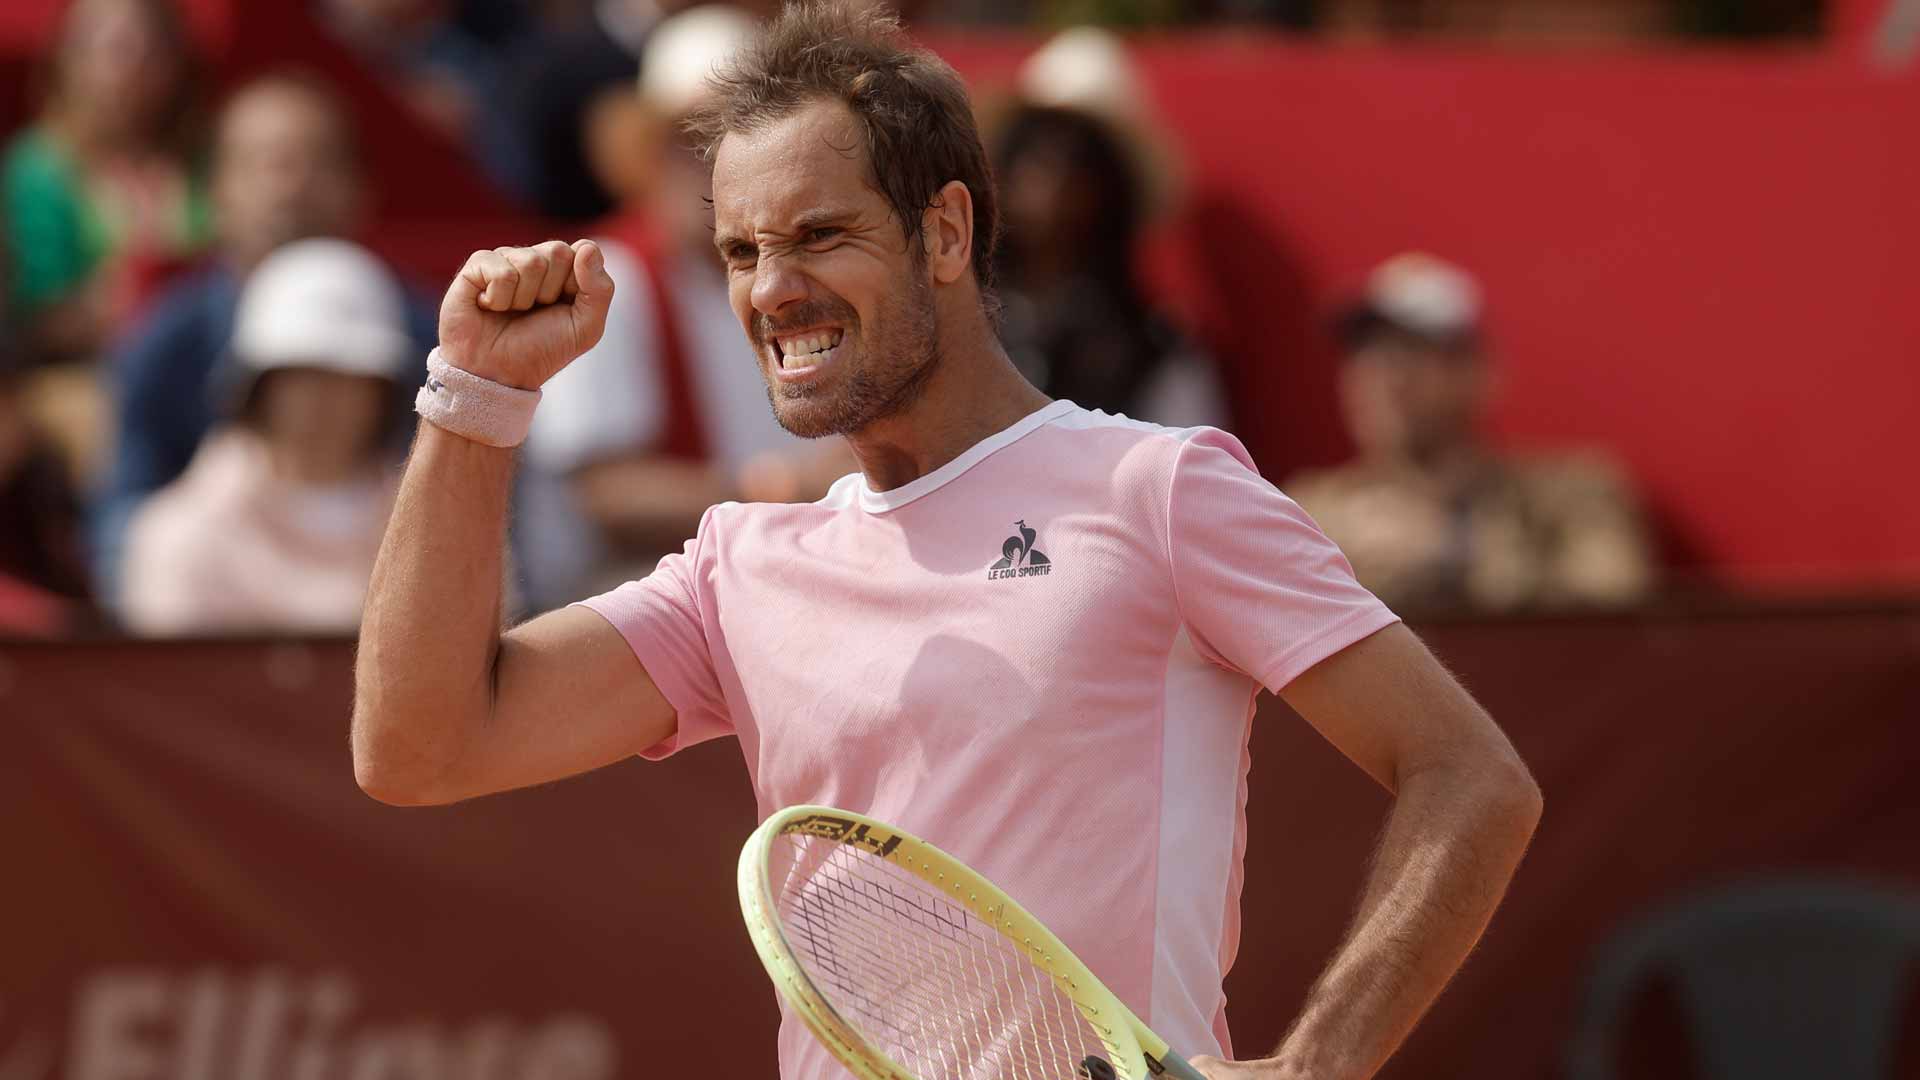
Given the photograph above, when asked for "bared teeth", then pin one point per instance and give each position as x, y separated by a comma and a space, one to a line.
808, 344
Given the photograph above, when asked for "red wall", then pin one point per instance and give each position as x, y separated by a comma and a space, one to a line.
1703, 261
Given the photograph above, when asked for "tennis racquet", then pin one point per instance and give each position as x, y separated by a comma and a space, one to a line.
907, 965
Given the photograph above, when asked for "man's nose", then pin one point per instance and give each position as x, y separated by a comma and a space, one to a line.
777, 282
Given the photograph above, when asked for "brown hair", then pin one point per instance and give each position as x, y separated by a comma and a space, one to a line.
178, 119
919, 126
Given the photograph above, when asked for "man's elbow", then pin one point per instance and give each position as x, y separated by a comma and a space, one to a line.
387, 775
395, 789
1513, 795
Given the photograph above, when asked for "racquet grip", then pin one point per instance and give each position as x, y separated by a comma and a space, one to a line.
1175, 1066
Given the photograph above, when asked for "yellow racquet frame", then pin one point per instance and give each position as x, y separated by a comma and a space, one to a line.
1133, 1049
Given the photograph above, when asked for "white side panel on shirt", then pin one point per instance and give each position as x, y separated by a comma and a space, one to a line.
1199, 817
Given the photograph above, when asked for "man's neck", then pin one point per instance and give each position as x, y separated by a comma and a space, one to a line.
974, 393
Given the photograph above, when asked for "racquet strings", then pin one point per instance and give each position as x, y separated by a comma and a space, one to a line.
920, 977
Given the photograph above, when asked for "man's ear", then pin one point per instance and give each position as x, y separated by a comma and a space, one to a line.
946, 231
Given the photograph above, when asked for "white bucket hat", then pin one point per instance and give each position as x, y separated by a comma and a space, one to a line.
684, 52
326, 304
1088, 70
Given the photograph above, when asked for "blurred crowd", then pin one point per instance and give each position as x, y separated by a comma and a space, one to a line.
205, 378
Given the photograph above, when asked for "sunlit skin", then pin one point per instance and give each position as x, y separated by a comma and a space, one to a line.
812, 248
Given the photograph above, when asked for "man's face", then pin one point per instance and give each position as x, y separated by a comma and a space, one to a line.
1407, 398
839, 310
283, 172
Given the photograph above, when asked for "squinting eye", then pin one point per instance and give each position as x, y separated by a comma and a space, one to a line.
816, 236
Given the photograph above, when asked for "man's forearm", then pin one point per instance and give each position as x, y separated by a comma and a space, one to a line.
1448, 850
432, 623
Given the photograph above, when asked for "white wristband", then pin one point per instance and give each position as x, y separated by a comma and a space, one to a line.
471, 407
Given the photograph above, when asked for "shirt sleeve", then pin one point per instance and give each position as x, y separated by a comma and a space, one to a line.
664, 618
1260, 587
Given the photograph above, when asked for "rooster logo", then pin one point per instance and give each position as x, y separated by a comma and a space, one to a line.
1018, 550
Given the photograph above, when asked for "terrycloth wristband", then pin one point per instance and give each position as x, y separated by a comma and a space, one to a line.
472, 407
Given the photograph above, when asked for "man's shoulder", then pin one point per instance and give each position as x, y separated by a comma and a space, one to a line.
1318, 484
1075, 418
1572, 480
1100, 437
733, 518
1583, 466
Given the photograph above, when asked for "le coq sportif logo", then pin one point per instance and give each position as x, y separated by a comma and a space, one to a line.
1018, 557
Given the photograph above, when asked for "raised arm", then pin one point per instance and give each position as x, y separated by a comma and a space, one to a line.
446, 706
1464, 808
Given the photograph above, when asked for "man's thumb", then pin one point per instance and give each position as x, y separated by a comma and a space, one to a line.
590, 270
595, 293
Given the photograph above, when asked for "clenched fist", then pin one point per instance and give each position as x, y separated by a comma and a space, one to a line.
517, 315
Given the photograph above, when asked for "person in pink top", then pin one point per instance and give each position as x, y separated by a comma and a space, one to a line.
1030, 632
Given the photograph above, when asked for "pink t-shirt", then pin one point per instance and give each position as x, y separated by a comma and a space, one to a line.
1042, 657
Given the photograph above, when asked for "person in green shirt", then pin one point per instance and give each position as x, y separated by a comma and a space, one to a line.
99, 197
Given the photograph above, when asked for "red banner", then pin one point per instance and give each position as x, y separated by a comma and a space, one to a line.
195, 888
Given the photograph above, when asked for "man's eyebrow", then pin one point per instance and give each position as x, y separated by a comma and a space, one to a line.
826, 215
803, 223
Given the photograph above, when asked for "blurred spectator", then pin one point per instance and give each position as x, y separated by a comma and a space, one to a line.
500, 23
452, 80
1431, 516
569, 77
1081, 169
42, 577
285, 168
668, 414
99, 194
276, 523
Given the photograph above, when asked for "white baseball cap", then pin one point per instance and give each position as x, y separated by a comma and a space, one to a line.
327, 304
1419, 293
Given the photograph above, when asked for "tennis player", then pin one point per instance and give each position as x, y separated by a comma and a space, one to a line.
1029, 632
